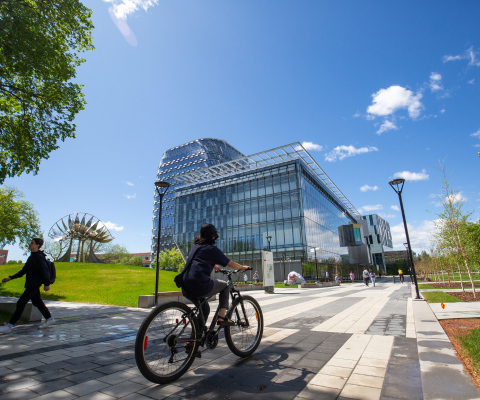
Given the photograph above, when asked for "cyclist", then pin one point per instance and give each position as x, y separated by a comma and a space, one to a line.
197, 282
400, 274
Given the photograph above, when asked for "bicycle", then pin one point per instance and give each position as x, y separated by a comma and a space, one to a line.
169, 338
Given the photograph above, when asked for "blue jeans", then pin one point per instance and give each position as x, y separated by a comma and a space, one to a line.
366, 281
373, 281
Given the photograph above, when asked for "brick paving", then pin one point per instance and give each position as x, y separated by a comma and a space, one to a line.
347, 342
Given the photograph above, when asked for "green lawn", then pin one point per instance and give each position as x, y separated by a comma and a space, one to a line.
439, 297
425, 286
471, 343
114, 284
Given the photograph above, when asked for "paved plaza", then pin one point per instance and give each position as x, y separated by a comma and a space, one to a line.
347, 342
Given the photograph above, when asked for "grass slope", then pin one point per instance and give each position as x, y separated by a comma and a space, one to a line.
439, 297
113, 284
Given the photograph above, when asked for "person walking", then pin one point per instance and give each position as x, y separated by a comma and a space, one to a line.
327, 277
366, 276
372, 277
255, 277
352, 276
38, 274
400, 275
245, 278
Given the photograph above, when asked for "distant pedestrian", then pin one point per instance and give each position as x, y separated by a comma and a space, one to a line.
352, 276
38, 274
366, 276
255, 277
400, 275
327, 277
380, 274
372, 277
245, 278
336, 278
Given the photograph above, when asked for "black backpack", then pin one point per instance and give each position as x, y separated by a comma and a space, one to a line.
179, 278
53, 271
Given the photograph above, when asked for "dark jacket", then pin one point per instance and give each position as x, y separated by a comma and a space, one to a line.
36, 269
197, 281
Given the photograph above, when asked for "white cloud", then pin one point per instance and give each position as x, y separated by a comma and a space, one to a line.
476, 134
420, 235
129, 183
341, 152
471, 81
122, 8
366, 188
412, 176
312, 146
113, 227
130, 196
442, 111
435, 82
370, 208
469, 54
388, 215
356, 115
387, 101
396, 208
457, 197
387, 126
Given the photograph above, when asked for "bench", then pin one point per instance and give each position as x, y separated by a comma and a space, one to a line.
30, 314
148, 301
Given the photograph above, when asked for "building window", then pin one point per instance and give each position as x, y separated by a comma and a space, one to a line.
142, 257
146, 265
371, 219
146, 257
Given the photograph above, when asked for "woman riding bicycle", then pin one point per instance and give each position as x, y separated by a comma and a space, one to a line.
197, 282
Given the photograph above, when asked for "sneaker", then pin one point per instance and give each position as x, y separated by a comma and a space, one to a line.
5, 329
47, 323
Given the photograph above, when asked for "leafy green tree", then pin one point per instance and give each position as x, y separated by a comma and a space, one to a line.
170, 259
14, 262
18, 219
39, 45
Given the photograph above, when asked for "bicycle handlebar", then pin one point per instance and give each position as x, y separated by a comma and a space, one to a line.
233, 271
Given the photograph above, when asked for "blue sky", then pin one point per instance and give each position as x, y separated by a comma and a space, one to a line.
378, 89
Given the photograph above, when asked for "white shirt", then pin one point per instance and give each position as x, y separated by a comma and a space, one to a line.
366, 274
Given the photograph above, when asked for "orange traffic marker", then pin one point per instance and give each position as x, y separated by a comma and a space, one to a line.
443, 305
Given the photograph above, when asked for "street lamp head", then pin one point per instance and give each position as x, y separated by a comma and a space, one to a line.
162, 184
397, 182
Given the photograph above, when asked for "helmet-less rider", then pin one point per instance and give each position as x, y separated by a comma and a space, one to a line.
197, 281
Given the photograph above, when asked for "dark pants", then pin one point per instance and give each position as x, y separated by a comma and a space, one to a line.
366, 281
219, 287
30, 294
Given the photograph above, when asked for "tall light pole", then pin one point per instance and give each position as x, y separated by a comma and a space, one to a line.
316, 265
284, 256
409, 269
395, 184
162, 188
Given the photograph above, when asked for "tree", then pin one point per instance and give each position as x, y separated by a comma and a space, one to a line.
18, 219
39, 45
170, 259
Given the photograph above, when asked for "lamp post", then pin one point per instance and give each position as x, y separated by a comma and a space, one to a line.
162, 188
395, 184
268, 239
316, 265
284, 256
409, 269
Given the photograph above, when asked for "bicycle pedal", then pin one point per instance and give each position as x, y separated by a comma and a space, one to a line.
198, 354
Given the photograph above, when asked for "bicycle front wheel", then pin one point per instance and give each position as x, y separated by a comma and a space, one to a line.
244, 338
166, 343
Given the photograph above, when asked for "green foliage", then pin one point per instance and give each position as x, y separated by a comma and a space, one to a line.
170, 260
39, 45
18, 219
440, 297
118, 285
14, 262
471, 343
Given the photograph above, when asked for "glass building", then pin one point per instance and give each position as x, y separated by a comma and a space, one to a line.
281, 193
378, 236
188, 157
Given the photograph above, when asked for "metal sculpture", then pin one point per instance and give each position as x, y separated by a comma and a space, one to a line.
84, 228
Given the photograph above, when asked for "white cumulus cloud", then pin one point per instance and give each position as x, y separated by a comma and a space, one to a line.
387, 126
113, 227
366, 188
476, 134
387, 101
369, 208
442, 111
312, 146
435, 82
122, 8
469, 54
130, 196
471, 81
412, 176
420, 235
457, 198
341, 152
396, 208
129, 183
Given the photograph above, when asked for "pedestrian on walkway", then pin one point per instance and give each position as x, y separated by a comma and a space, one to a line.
336, 279
38, 274
327, 277
245, 278
366, 276
372, 277
352, 276
400, 275
255, 277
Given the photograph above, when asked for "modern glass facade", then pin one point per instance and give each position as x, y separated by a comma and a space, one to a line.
378, 237
188, 157
285, 201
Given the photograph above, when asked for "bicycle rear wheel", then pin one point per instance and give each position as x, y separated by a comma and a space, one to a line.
165, 346
244, 338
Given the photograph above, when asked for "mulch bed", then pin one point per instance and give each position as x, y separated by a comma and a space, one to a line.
465, 296
456, 328
446, 285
